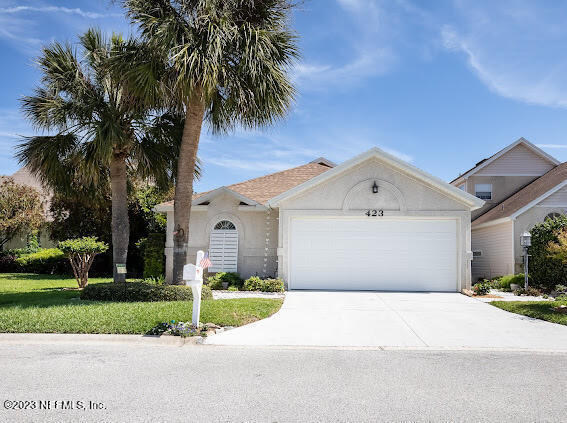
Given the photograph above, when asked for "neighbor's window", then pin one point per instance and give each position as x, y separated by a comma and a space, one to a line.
552, 215
462, 186
483, 191
477, 253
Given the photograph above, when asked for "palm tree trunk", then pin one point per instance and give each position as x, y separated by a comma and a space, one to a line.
184, 184
120, 222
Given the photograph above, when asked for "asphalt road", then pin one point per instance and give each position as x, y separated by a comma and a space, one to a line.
127, 383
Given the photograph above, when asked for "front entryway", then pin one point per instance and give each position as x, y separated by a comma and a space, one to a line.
374, 253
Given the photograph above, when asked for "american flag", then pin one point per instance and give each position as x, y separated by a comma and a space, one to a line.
205, 261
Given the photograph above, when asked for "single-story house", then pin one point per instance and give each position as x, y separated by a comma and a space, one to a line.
522, 186
373, 222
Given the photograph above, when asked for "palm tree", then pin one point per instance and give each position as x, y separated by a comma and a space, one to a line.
224, 61
101, 131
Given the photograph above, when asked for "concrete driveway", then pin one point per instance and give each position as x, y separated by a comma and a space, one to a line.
395, 319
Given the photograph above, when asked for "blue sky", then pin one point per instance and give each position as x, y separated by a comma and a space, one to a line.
440, 84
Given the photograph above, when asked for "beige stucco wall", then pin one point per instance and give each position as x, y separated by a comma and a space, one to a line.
400, 195
502, 188
496, 243
250, 224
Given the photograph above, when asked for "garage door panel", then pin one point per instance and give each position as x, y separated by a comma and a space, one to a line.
373, 254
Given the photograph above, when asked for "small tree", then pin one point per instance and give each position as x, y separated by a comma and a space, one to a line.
558, 250
547, 269
81, 253
20, 210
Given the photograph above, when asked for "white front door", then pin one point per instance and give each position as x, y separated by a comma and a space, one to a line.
373, 254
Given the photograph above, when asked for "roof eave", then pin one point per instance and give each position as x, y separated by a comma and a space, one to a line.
450, 190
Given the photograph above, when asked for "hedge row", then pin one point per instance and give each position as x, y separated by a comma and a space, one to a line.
140, 292
46, 260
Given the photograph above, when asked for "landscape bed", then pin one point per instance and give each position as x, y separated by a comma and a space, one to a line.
31, 303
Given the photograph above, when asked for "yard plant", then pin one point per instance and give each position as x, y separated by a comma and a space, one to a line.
99, 130
44, 304
223, 61
546, 266
20, 210
81, 253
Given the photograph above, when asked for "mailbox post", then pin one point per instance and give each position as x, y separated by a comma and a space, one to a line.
193, 277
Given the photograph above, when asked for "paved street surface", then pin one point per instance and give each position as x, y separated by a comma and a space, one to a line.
235, 384
406, 319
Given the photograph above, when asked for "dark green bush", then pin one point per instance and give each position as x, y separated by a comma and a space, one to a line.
140, 291
46, 260
544, 270
153, 252
255, 283
505, 281
233, 279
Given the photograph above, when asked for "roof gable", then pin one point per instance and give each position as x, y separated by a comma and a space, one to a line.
258, 191
390, 160
529, 196
519, 158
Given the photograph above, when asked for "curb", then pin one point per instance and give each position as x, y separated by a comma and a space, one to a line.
80, 338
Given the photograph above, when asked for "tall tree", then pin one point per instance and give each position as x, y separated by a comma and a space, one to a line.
225, 62
100, 129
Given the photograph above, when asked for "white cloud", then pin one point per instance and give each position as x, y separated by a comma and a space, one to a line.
255, 165
56, 9
513, 48
368, 32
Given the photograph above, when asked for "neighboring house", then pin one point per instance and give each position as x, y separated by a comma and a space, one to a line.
24, 177
373, 222
522, 186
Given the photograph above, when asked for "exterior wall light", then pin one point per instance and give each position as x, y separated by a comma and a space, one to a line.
525, 242
375, 188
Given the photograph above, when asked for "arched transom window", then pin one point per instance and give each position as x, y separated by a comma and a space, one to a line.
226, 225
223, 247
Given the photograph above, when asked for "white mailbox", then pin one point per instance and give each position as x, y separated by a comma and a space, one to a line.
192, 272
193, 277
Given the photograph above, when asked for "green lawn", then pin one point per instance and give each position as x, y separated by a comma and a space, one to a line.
537, 309
39, 303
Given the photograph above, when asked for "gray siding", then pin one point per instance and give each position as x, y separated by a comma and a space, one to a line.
497, 247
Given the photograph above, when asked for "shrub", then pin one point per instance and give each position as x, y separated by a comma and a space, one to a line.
153, 254
506, 281
253, 283
545, 270
140, 292
215, 281
482, 288
47, 260
265, 285
81, 253
531, 291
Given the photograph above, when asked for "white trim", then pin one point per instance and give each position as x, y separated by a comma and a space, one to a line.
324, 161
491, 223
521, 140
224, 190
450, 190
538, 200
196, 203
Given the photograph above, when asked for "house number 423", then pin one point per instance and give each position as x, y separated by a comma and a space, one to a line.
373, 213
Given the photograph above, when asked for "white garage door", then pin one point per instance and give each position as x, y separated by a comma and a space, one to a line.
373, 254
